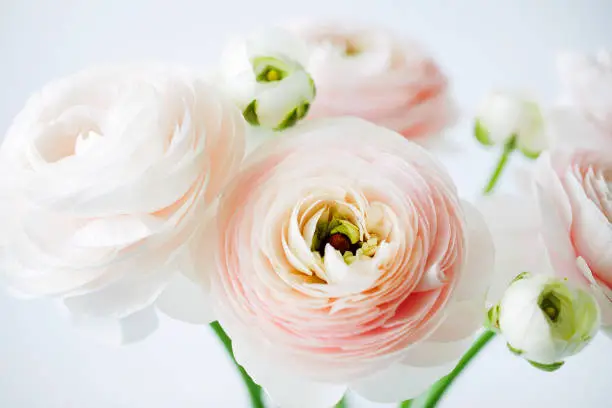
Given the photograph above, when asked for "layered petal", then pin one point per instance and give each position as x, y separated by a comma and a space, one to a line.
372, 74
341, 248
111, 173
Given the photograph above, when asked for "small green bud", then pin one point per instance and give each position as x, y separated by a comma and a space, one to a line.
546, 319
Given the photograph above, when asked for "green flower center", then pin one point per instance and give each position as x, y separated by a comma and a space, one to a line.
550, 304
344, 236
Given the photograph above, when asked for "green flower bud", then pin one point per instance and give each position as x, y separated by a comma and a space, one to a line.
505, 115
544, 320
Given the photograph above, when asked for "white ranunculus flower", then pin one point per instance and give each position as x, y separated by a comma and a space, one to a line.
265, 77
510, 117
544, 320
108, 175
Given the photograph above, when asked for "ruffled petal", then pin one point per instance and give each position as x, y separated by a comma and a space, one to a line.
399, 382
130, 329
185, 300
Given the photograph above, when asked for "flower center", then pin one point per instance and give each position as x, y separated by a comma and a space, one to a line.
550, 305
351, 49
345, 237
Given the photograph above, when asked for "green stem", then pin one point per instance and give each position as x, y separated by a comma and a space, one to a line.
342, 403
435, 393
254, 389
501, 164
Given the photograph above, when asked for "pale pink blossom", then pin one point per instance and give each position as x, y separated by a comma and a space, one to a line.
108, 174
574, 192
386, 316
373, 74
586, 104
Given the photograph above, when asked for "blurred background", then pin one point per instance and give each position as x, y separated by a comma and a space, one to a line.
482, 45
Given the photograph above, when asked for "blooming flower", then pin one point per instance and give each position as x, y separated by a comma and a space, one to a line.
574, 191
373, 74
544, 320
265, 77
346, 260
506, 117
108, 174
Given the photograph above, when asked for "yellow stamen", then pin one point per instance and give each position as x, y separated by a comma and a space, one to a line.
272, 75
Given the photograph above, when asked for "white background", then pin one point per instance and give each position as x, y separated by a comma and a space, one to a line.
482, 44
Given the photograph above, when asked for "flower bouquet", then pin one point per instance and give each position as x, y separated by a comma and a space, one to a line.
292, 200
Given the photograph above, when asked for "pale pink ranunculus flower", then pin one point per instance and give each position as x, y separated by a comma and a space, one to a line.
586, 101
313, 313
108, 174
574, 193
373, 74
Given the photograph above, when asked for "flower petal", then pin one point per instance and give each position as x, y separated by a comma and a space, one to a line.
399, 382
515, 223
284, 387
185, 300
477, 271
130, 329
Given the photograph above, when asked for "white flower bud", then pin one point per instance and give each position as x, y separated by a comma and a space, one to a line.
267, 81
544, 320
505, 117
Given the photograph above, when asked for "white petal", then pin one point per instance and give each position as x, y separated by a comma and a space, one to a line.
85, 143
130, 329
185, 300
280, 98
523, 323
501, 114
514, 222
433, 353
336, 268
556, 214
291, 391
116, 231
284, 387
568, 128
462, 319
129, 294
433, 279
477, 271
399, 382
277, 42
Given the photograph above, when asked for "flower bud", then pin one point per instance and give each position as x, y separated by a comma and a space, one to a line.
265, 78
503, 116
544, 320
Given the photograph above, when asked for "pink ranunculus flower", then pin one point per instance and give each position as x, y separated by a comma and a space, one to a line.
347, 261
574, 192
586, 100
108, 174
372, 74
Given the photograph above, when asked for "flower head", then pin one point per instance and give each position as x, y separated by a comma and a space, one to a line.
583, 118
108, 175
574, 193
544, 320
345, 259
505, 116
376, 75
265, 77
